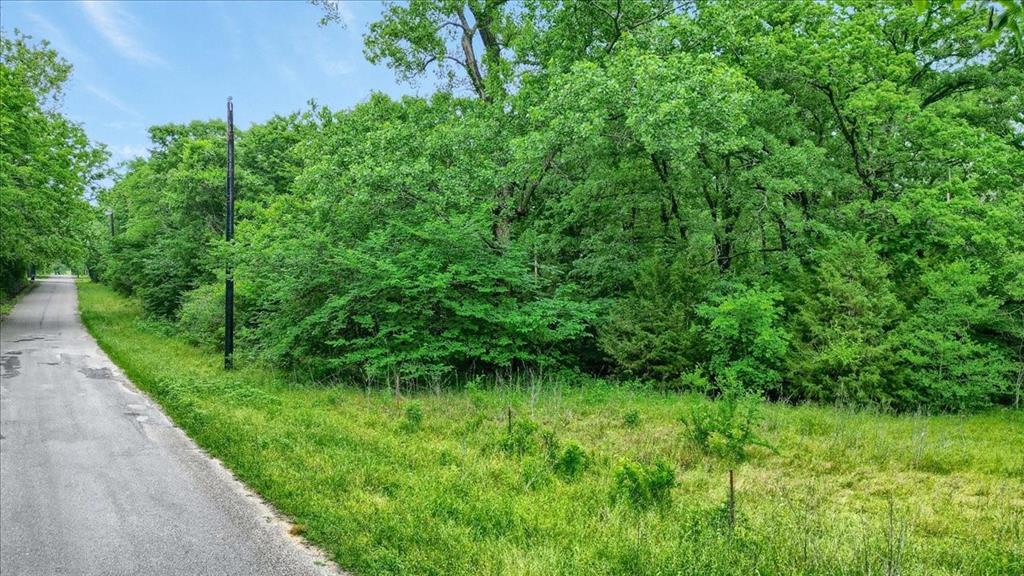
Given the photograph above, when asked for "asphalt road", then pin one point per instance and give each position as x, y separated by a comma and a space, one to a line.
94, 479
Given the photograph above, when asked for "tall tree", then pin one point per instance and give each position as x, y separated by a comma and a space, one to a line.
49, 165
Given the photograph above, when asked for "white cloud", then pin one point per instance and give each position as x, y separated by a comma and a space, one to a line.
335, 67
112, 100
325, 56
119, 28
127, 152
60, 40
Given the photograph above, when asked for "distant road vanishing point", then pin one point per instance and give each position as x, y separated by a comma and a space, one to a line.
94, 479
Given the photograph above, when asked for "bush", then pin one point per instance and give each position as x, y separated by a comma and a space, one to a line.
644, 487
652, 333
728, 426
522, 439
201, 321
631, 419
841, 318
571, 462
413, 417
745, 339
13, 276
939, 358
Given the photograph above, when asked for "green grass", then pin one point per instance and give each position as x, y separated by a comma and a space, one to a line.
385, 490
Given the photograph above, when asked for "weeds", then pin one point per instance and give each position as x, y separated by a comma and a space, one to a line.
521, 437
631, 419
645, 486
571, 462
413, 416
550, 497
727, 427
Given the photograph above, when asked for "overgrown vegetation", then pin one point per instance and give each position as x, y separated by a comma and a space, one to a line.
47, 165
559, 291
808, 200
436, 485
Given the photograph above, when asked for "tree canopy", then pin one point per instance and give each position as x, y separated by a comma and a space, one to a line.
49, 166
818, 200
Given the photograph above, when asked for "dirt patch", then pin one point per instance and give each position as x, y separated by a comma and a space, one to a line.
97, 373
10, 365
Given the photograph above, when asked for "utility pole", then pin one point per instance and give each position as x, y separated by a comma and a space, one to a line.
229, 234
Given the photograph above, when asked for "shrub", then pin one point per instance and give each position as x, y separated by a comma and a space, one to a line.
522, 438
940, 358
745, 339
201, 320
695, 380
413, 417
631, 419
652, 333
842, 313
415, 295
645, 486
728, 426
571, 462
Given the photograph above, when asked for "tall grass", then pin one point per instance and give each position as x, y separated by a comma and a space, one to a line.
444, 483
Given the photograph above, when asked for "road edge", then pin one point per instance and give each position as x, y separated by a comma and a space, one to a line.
285, 524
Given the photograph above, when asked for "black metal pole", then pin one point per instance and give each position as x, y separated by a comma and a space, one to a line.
229, 233
732, 503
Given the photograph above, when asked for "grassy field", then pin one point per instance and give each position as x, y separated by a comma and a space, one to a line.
843, 492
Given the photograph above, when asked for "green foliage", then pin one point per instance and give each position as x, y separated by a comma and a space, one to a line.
746, 342
201, 319
413, 416
847, 308
164, 241
645, 486
522, 438
653, 333
569, 461
938, 361
631, 419
380, 500
49, 166
424, 291
572, 462
799, 198
728, 426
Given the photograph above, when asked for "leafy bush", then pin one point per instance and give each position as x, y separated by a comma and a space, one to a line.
940, 359
170, 212
728, 426
572, 461
522, 439
645, 486
413, 416
842, 317
652, 333
631, 419
201, 319
745, 339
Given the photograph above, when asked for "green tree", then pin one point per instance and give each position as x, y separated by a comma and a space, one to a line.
49, 166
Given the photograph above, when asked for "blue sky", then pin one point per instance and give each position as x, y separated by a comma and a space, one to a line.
143, 63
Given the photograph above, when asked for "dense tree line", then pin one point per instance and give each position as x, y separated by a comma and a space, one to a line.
47, 164
816, 200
